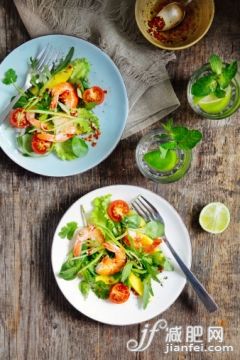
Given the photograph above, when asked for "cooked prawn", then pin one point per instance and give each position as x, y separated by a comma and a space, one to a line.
34, 122
108, 265
89, 232
66, 93
54, 138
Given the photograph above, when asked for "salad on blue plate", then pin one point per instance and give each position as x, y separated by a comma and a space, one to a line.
117, 253
56, 113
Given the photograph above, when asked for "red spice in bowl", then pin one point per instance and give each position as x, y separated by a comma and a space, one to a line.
178, 34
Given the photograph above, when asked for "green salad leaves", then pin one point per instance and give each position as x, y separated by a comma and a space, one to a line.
56, 109
139, 240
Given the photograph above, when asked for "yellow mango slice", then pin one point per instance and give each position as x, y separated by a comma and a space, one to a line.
136, 283
59, 78
106, 279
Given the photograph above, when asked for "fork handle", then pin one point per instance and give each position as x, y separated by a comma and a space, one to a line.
7, 110
202, 293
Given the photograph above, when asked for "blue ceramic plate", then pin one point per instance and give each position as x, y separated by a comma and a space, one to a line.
112, 114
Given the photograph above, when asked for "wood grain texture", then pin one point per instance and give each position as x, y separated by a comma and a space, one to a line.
36, 322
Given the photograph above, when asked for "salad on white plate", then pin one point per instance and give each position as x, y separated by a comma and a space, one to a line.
116, 253
116, 257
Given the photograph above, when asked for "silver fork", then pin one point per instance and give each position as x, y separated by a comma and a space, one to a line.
145, 209
46, 57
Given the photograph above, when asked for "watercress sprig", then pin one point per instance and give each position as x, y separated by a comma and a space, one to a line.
218, 80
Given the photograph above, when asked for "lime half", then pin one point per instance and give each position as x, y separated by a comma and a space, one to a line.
154, 160
214, 218
212, 104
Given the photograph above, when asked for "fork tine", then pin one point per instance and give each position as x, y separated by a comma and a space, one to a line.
38, 57
138, 210
44, 59
144, 208
56, 57
148, 205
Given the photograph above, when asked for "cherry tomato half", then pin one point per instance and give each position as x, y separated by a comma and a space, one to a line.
40, 147
18, 118
94, 95
117, 209
119, 293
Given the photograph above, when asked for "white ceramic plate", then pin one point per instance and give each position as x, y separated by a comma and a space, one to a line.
130, 312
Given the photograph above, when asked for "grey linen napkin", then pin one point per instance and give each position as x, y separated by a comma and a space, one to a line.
110, 24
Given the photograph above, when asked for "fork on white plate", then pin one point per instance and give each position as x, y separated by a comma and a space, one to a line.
146, 210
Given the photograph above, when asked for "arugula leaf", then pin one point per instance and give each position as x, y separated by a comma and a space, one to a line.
68, 230
70, 268
126, 271
84, 287
79, 147
204, 86
154, 229
216, 64
10, 77
147, 291
63, 62
69, 274
22, 102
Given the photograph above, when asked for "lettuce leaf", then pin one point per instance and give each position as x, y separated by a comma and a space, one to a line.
64, 150
99, 215
81, 69
71, 149
24, 146
85, 119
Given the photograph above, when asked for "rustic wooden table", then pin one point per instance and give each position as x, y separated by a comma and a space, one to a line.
36, 320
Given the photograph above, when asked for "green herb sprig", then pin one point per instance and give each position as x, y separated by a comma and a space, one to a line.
179, 137
218, 80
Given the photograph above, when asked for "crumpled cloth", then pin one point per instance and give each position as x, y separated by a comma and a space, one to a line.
111, 25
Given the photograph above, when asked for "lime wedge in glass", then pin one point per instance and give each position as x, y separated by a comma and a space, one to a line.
214, 218
154, 160
212, 104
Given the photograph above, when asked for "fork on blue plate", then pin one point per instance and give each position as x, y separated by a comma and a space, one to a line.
46, 57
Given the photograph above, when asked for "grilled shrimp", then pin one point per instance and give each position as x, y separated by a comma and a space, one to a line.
108, 265
89, 232
66, 93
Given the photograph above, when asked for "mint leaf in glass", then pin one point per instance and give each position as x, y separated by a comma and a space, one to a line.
228, 73
216, 64
204, 86
219, 92
190, 141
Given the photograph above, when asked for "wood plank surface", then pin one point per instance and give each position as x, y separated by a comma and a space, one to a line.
36, 322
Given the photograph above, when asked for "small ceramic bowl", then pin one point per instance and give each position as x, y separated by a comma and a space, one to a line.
197, 21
